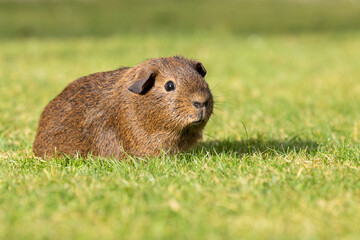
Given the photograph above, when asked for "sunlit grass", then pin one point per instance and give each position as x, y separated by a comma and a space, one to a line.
280, 158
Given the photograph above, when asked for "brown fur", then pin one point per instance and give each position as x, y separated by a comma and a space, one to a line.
128, 111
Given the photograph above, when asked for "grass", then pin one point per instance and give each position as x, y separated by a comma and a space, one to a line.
280, 158
24, 18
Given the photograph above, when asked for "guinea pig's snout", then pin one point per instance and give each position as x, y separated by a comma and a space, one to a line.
200, 105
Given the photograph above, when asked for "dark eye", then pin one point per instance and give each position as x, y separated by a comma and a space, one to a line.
169, 86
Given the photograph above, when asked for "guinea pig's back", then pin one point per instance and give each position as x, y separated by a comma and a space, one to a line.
65, 123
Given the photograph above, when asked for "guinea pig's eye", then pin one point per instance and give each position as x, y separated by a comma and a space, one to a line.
169, 86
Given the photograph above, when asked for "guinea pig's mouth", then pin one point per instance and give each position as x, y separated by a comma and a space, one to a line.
197, 122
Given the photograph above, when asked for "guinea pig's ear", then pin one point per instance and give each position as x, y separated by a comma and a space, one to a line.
143, 82
200, 68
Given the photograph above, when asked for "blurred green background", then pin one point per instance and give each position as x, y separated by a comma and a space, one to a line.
38, 18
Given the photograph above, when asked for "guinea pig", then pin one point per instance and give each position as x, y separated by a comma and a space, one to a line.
159, 106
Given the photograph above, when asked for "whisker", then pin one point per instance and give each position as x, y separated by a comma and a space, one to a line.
209, 136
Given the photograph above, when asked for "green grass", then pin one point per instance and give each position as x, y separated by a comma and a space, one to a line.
108, 17
280, 158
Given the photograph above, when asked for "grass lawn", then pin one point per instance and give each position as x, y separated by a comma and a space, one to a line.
280, 158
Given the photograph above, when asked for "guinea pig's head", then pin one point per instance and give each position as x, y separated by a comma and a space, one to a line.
170, 94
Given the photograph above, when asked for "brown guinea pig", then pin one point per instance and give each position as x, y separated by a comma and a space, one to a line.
160, 105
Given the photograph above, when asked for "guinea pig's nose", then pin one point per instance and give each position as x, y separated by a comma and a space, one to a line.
200, 104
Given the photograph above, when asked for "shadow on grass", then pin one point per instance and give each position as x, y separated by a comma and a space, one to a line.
259, 146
